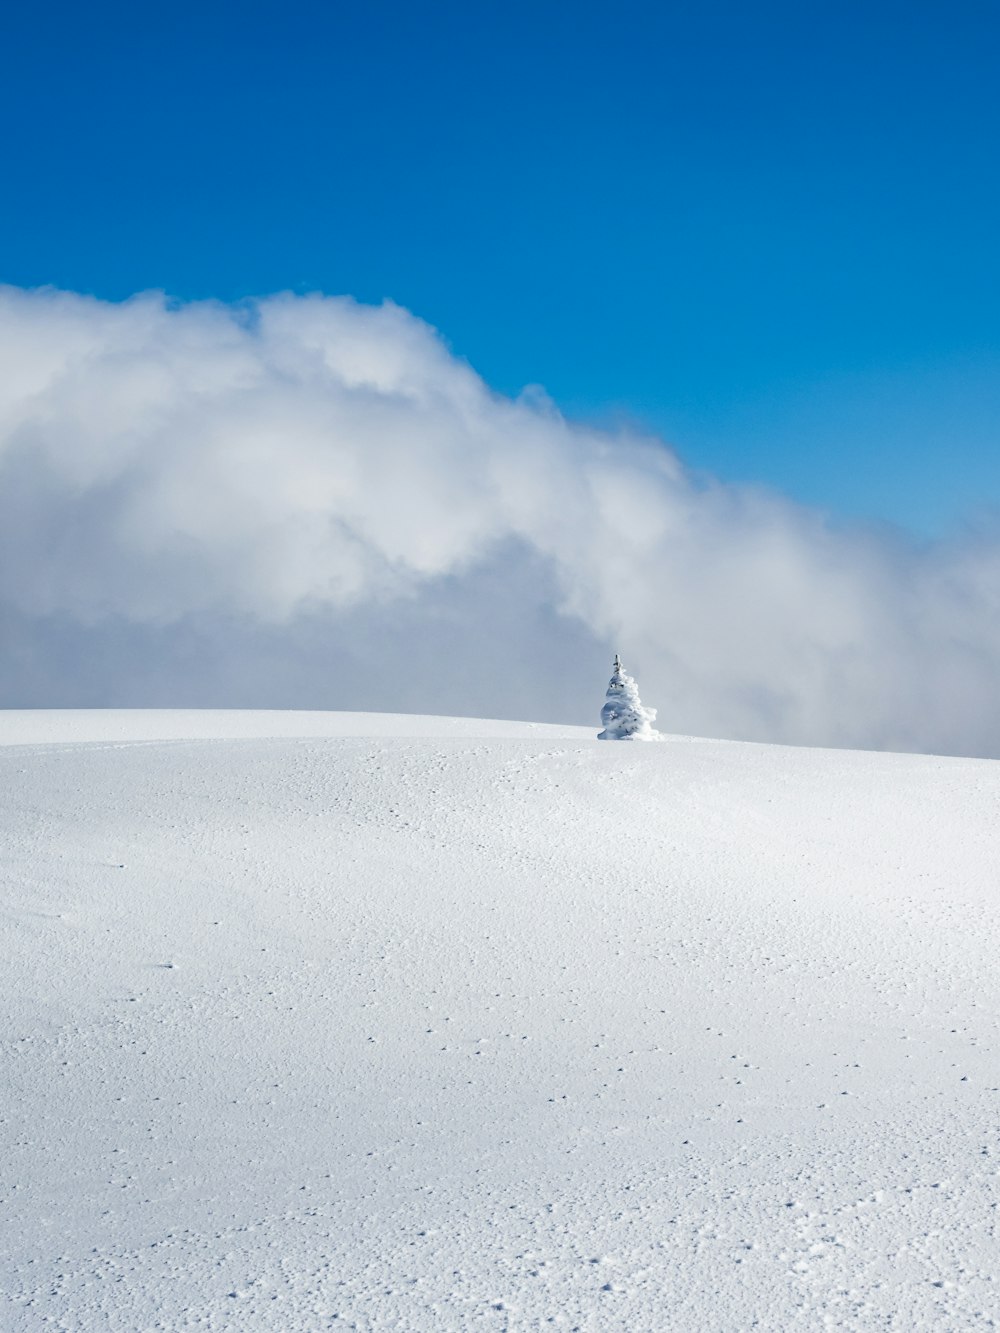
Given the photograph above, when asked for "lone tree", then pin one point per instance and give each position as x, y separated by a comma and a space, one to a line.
623, 714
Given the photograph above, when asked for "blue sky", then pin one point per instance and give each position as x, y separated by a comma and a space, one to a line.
769, 232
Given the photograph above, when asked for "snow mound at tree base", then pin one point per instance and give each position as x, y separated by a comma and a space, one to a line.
451, 1030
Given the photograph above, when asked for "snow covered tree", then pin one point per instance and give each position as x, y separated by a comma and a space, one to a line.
623, 714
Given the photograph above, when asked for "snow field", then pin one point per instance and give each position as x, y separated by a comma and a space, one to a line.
428, 1025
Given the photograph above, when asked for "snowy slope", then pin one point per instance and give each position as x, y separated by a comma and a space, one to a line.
56, 726
432, 1024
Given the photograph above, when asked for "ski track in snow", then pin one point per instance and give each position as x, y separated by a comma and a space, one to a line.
430, 1024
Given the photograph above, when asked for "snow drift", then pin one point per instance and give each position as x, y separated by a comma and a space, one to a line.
452, 1024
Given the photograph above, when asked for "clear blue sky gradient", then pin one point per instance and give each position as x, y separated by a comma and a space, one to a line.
771, 232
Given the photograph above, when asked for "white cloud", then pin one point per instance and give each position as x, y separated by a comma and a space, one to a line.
235, 504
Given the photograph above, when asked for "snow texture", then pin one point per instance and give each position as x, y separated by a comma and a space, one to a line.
623, 716
440, 1025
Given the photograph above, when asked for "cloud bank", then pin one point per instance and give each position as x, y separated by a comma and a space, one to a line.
303, 501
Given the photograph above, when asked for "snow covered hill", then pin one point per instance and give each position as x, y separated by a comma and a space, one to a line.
335, 1021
